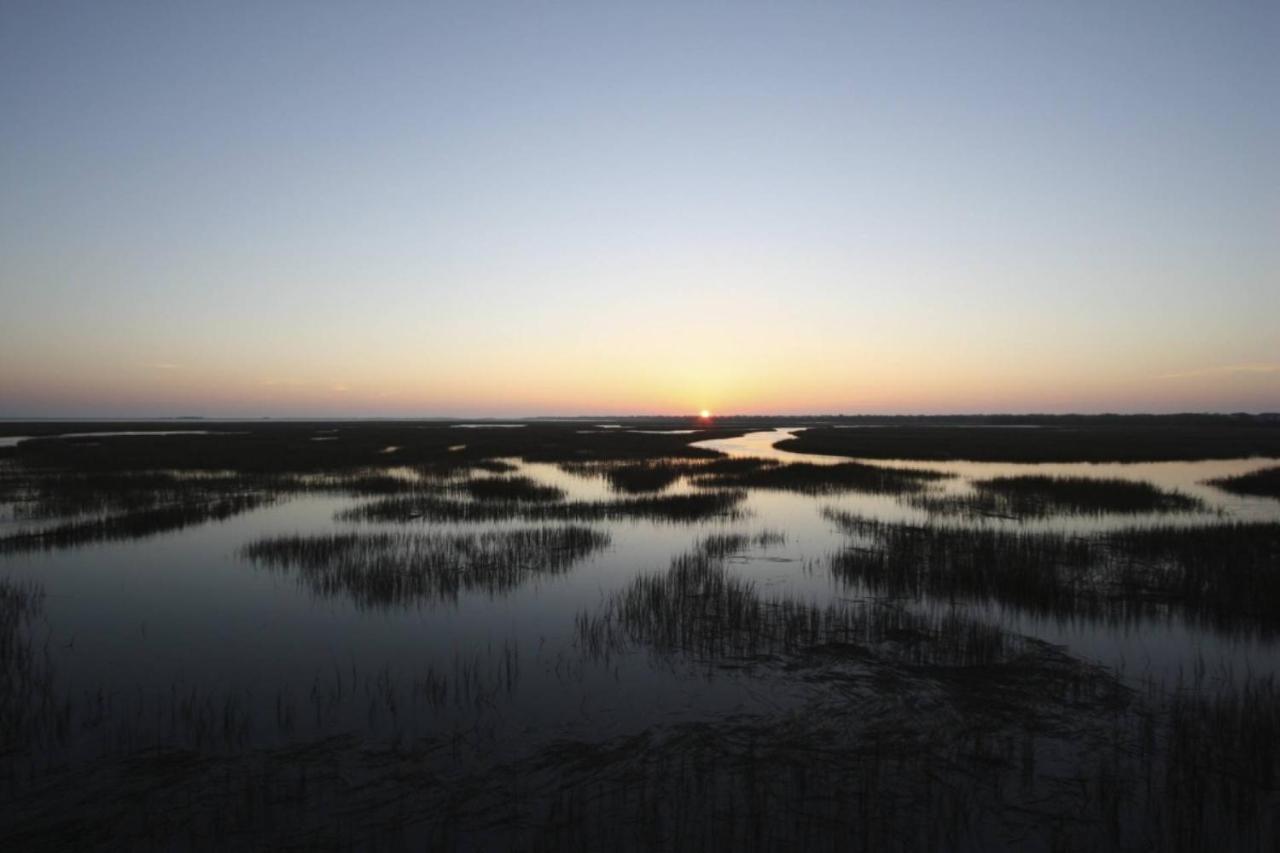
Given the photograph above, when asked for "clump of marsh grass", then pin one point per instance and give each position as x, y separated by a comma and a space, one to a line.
30, 712
1084, 494
721, 545
1222, 573
380, 569
675, 508
700, 609
814, 479
510, 489
643, 477
130, 525
1040, 496
1263, 483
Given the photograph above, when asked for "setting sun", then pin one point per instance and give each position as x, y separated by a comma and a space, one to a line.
704, 414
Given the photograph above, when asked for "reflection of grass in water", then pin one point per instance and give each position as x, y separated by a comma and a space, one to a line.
1224, 574
1265, 483
396, 568
693, 507
826, 479
1040, 496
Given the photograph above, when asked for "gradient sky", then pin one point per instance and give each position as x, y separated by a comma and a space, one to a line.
269, 208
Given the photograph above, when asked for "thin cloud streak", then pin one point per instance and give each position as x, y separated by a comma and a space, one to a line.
1226, 370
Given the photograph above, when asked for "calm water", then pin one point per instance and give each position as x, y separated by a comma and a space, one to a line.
142, 620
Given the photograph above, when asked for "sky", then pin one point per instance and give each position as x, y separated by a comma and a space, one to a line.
426, 209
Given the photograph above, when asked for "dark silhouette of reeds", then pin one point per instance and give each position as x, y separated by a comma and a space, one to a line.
721, 545
1265, 483
675, 508
1038, 496
380, 569
1226, 574
654, 475
701, 609
130, 525
825, 479
260, 447
643, 477
510, 489
1041, 438
31, 714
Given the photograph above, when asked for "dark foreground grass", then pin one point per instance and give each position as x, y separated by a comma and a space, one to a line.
30, 711
825, 479
1039, 496
893, 730
1264, 483
1227, 575
1063, 761
674, 508
381, 569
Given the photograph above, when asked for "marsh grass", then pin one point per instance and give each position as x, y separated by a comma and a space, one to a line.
505, 489
1225, 574
31, 714
674, 508
721, 545
130, 525
701, 609
813, 479
383, 569
1045, 438
1264, 483
643, 477
655, 475
1044, 754
1039, 496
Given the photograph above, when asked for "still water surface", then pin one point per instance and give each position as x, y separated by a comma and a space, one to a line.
184, 611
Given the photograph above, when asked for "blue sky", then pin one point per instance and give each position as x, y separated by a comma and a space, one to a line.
278, 208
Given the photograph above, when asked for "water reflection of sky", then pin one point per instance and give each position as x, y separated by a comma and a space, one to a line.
183, 609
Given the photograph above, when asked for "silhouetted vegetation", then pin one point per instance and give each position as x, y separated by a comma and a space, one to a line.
394, 568
1043, 439
693, 507
721, 545
30, 712
643, 477
1227, 574
825, 479
1037, 496
267, 447
699, 608
130, 525
510, 489
1265, 483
